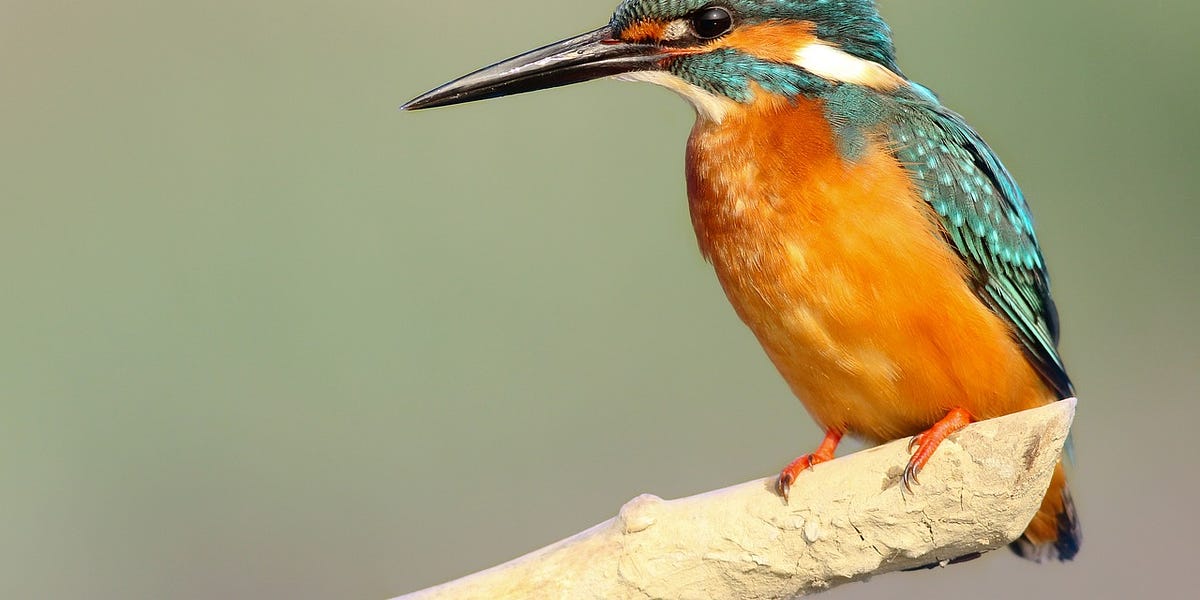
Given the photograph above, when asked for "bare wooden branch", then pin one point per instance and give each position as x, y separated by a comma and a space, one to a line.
848, 520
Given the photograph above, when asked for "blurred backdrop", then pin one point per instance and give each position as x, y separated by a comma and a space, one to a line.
264, 336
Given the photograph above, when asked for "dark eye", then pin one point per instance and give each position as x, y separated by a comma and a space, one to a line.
712, 22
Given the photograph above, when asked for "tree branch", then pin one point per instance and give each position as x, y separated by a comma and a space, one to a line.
848, 520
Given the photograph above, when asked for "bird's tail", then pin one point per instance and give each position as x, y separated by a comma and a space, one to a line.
1054, 532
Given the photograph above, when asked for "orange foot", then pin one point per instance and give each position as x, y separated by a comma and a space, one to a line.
926, 443
824, 452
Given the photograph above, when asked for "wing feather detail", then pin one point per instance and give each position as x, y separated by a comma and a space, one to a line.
984, 216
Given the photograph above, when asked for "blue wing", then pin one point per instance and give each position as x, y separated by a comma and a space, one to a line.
985, 218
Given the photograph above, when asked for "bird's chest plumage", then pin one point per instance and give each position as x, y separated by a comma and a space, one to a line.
839, 270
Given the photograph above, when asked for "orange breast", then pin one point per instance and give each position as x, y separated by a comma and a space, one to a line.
840, 271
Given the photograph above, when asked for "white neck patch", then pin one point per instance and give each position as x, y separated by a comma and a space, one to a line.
707, 104
835, 64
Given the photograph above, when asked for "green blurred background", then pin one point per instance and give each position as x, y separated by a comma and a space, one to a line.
266, 337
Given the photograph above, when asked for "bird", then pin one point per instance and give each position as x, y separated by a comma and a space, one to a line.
874, 244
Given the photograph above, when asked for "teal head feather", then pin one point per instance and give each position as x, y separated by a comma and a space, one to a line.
852, 26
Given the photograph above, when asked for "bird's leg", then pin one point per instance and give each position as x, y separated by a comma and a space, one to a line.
925, 443
823, 453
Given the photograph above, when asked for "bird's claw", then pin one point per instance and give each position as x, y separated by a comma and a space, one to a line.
789, 473
910, 476
783, 485
922, 445
824, 452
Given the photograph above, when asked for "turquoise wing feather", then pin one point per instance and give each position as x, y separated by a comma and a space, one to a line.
985, 218
981, 211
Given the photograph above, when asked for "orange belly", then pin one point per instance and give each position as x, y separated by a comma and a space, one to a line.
839, 269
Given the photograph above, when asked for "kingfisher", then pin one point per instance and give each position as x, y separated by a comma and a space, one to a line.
870, 239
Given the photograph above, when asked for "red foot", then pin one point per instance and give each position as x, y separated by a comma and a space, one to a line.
823, 453
926, 443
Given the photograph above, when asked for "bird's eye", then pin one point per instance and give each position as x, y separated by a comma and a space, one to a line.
712, 22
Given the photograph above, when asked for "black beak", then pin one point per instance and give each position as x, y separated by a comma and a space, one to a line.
590, 56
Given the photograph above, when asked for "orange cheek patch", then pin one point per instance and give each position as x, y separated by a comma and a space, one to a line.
775, 41
644, 32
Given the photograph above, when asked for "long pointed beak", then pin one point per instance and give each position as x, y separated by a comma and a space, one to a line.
583, 58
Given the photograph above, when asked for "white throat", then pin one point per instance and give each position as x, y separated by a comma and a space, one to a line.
708, 105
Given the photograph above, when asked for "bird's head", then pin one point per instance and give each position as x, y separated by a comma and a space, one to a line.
716, 53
